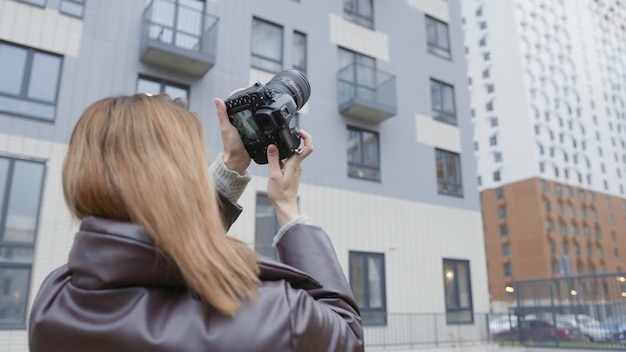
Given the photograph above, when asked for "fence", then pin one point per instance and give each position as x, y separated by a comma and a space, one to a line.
420, 330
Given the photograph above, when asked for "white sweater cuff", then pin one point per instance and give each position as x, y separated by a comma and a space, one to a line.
302, 219
228, 183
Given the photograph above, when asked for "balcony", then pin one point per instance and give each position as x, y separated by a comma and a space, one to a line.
179, 38
366, 93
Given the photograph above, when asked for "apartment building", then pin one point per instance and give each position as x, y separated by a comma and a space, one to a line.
547, 81
392, 176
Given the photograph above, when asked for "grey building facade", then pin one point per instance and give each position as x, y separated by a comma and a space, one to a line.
392, 177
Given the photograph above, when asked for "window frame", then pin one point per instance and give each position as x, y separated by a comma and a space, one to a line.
25, 83
443, 156
441, 115
363, 152
295, 34
456, 263
31, 2
355, 16
16, 244
263, 58
434, 48
260, 246
365, 256
80, 3
162, 84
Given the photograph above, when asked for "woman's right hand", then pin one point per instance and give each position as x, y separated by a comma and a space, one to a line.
284, 179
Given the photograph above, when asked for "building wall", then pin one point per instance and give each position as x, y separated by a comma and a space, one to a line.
558, 89
539, 250
402, 216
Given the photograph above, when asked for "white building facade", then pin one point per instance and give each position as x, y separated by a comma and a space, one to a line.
391, 179
547, 81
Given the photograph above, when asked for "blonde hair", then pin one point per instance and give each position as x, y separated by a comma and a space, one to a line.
143, 159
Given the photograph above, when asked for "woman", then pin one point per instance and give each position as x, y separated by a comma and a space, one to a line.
152, 268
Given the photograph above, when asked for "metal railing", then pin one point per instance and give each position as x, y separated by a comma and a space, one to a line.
408, 330
541, 329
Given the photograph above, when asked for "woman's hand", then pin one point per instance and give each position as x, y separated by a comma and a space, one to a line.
284, 179
235, 156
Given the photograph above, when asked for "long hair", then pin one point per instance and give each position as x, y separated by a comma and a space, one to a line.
143, 159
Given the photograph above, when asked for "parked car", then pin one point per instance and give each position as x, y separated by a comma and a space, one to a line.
616, 326
589, 326
540, 330
498, 323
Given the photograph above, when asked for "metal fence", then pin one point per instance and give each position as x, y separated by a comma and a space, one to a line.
404, 330
538, 329
573, 311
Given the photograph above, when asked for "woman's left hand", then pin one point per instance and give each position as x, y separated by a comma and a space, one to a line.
235, 156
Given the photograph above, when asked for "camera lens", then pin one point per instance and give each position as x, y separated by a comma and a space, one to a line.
294, 83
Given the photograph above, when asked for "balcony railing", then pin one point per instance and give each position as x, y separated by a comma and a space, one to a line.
366, 93
178, 37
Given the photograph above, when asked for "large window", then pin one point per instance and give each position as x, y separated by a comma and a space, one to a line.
267, 46
156, 86
20, 194
29, 81
449, 179
73, 7
178, 22
363, 154
266, 226
299, 51
438, 37
358, 75
367, 279
442, 100
458, 291
359, 11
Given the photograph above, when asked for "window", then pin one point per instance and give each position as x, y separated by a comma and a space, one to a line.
179, 23
265, 226
501, 211
508, 270
267, 46
21, 182
496, 176
363, 154
29, 81
493, 140
499, 193
442, 100
504, 230
154, 86
74, 8
506, 250
41, 3
359, 11
357, 76
299, 51
438, 38
458, 291
367, 279
449, 173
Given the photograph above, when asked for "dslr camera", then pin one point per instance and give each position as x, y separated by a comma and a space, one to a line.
261, 114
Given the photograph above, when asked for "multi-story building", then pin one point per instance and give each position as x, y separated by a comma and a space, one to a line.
547, 81
391, 178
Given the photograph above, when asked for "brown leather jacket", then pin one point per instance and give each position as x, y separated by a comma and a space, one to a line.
116, 293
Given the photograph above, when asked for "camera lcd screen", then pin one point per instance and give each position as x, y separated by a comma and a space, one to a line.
244, 122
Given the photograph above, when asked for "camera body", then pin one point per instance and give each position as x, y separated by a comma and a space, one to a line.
261, 114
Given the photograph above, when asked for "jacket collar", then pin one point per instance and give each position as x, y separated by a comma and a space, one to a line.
112, 254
